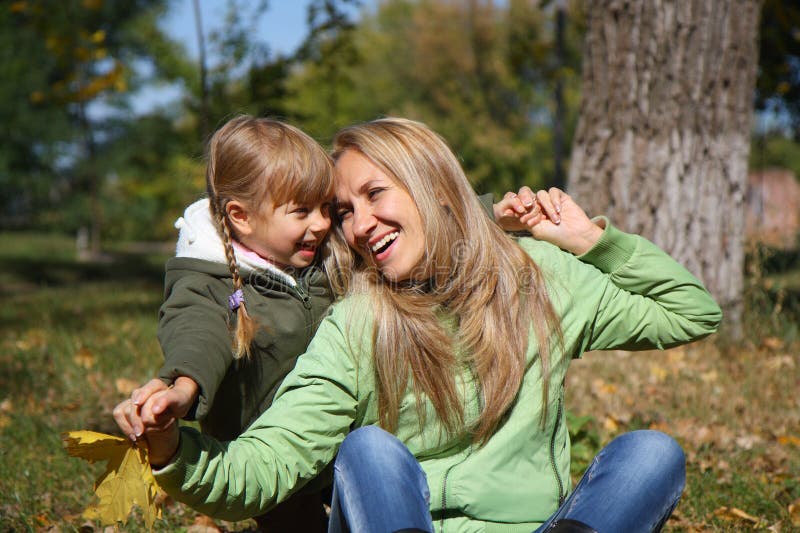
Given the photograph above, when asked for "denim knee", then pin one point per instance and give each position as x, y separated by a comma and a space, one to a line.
650, 443
369, 443
642, 446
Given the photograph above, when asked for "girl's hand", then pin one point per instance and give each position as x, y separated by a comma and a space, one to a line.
127, 413
565, 224
175, 402
154, 406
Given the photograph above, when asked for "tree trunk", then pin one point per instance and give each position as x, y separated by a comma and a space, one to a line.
663, 138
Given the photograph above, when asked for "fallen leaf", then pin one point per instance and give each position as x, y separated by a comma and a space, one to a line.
746, 442
773, 343
658, 373
794, 512
732, 513
788, 439
709, 377
610, 425
127, 481
203, 524
85, 358
6, 406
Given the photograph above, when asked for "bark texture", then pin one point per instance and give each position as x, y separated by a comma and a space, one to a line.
663, 138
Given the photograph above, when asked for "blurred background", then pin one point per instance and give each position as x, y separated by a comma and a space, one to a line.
106, 105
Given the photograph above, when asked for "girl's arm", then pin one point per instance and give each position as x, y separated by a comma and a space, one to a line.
195, 337
288, 445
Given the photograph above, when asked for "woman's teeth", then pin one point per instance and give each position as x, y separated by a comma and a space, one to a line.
386, 240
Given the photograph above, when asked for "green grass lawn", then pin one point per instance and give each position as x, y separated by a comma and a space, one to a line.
76, 337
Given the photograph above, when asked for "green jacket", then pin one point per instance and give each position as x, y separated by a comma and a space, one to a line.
624, 293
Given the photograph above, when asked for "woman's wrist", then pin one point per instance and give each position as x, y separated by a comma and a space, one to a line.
163, 447
588, 238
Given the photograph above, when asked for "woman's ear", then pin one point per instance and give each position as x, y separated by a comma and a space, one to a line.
240, 219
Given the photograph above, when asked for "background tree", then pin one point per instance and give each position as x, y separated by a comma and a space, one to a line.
86, 50
663, 138
478, 72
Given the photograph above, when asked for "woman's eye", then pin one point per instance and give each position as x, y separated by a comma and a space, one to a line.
343, 214
374, 192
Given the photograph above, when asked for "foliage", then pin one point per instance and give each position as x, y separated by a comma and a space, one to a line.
775, 151
127, 481
456, 66
86, 53
778, 84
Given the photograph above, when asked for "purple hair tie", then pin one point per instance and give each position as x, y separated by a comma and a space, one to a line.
235, 299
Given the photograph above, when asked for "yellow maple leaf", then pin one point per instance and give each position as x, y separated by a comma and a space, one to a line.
127, 481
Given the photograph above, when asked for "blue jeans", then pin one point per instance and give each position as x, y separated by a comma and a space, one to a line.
632, 485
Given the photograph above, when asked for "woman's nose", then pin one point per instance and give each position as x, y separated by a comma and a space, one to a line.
363, 223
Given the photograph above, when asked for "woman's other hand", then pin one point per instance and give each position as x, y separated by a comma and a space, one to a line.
564, 223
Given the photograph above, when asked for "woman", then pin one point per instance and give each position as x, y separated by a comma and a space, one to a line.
456, 340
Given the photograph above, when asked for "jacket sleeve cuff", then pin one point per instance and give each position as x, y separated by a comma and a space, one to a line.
612, 250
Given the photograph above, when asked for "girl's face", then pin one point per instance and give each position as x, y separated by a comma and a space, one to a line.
379, 218
288, 235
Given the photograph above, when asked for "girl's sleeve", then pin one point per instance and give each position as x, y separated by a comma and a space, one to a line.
195, 338
626, 293
288, 445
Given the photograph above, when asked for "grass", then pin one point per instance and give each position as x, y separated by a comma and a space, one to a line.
76, 337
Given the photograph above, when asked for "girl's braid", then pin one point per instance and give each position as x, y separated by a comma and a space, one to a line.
245, 324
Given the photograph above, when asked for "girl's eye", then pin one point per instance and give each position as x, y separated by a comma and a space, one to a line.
300, 211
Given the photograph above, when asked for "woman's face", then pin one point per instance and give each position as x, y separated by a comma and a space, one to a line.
379, 218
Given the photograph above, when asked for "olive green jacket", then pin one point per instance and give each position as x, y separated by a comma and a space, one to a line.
624, 293
196, 326
195, 332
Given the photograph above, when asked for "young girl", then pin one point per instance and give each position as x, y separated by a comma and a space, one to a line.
456, 340
245, 273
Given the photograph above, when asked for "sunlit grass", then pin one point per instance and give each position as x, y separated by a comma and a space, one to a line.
75, 337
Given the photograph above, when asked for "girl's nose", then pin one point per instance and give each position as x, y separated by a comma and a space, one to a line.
321, 221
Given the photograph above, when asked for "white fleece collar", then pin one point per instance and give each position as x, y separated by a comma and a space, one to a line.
199, 239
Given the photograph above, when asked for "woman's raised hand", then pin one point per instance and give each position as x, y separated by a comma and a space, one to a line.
550, 216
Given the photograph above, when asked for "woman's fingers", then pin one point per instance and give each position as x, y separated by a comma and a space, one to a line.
550, 202
127, 419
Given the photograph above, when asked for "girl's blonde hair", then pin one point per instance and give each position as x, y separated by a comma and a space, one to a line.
492, 288
256, 161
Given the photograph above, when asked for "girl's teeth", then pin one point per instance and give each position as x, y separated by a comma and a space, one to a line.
381, 243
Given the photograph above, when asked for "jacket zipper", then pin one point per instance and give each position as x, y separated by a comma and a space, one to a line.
559, 481
302, 293
479, 397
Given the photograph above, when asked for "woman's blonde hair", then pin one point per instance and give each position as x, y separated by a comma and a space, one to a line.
261, 162
489, 285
